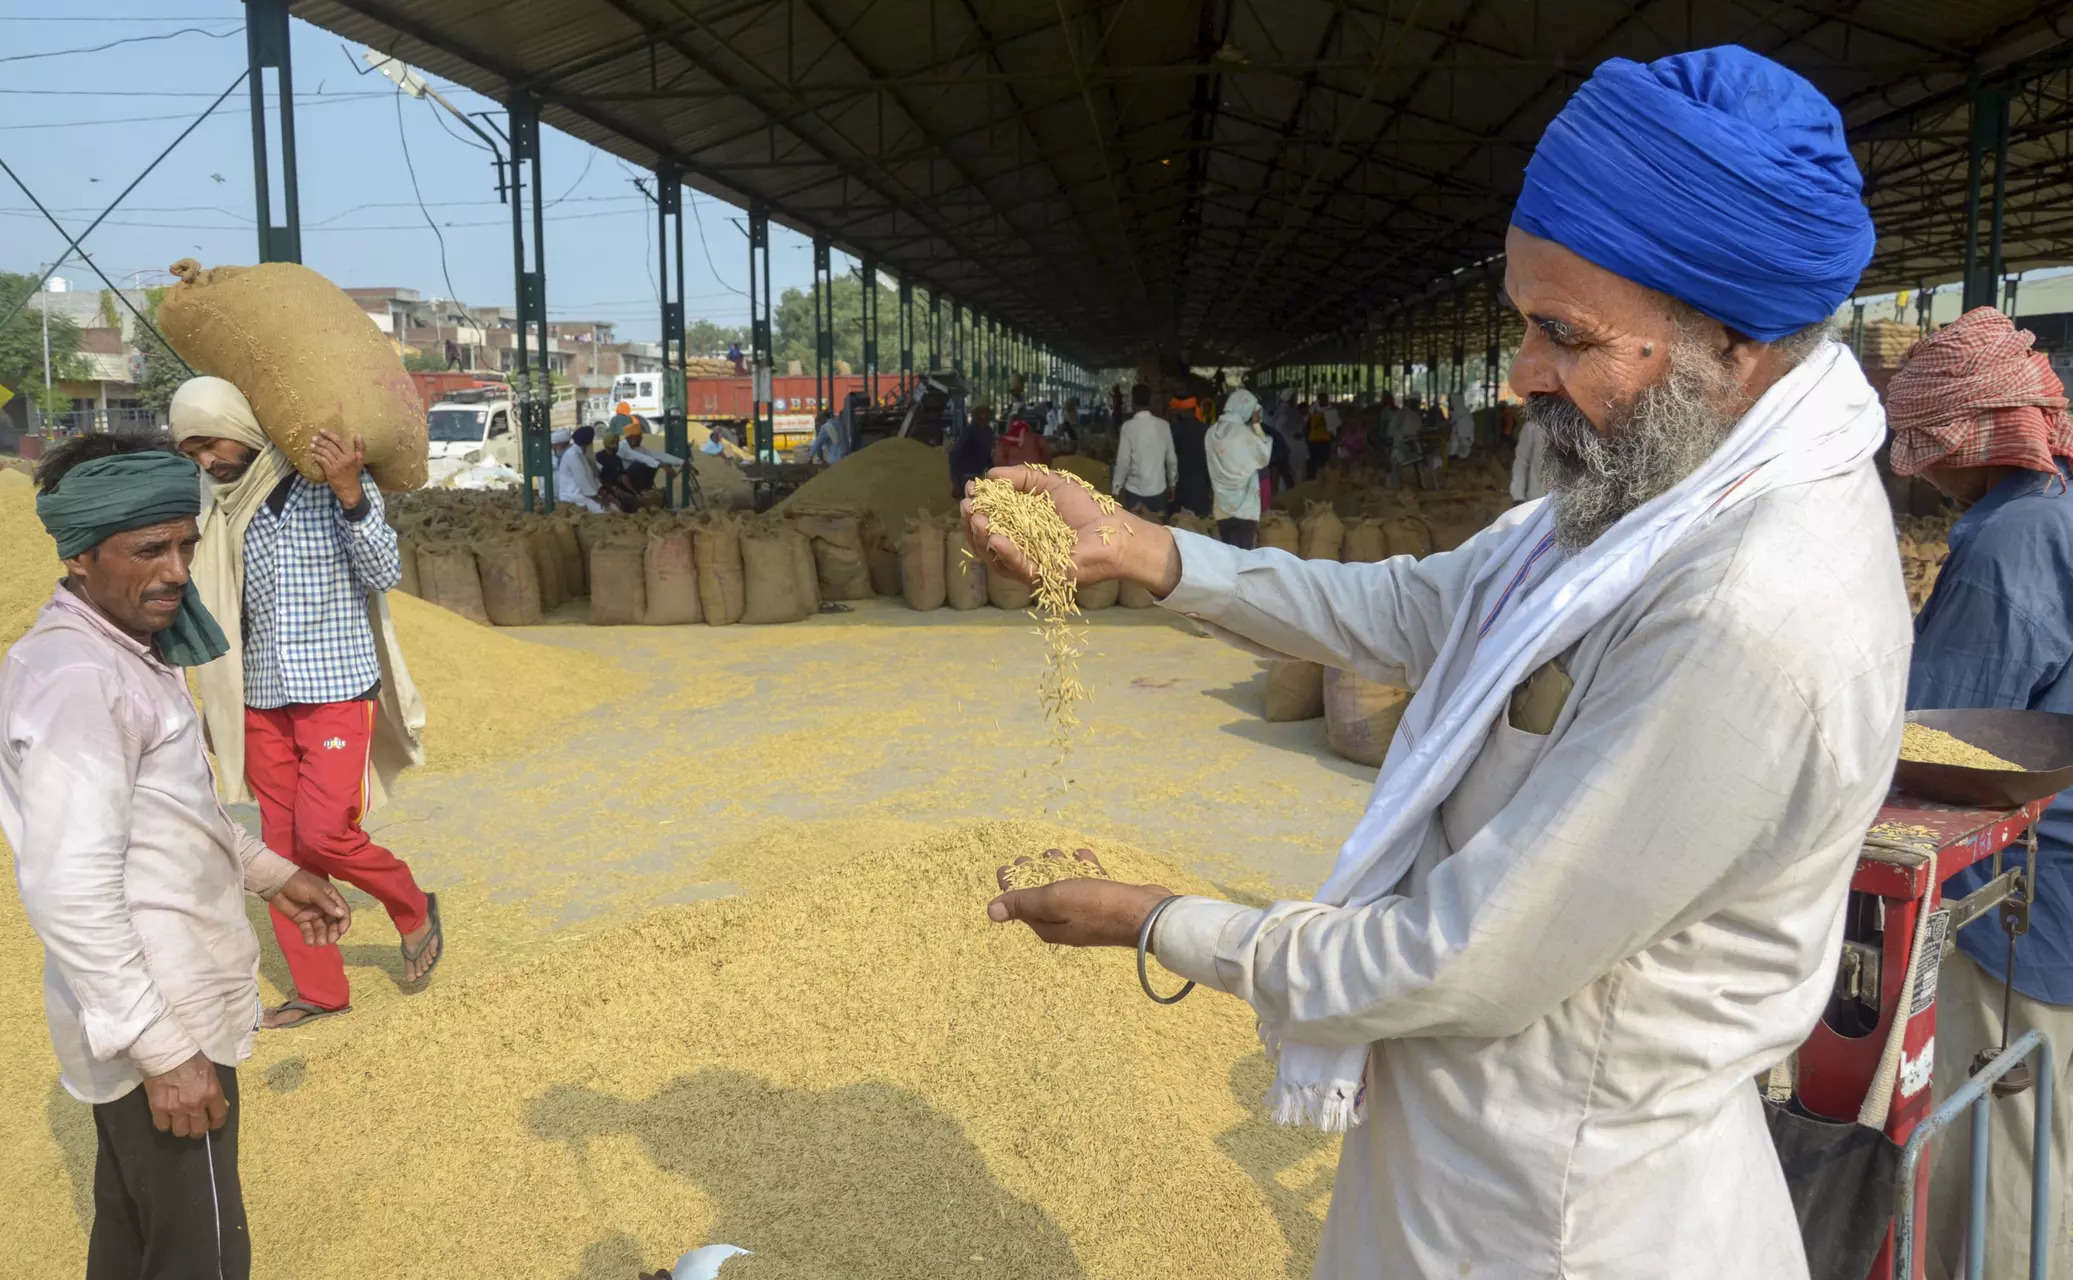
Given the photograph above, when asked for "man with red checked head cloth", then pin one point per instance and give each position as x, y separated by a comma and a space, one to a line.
1981, 416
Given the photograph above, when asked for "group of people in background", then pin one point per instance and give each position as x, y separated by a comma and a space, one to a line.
618, 476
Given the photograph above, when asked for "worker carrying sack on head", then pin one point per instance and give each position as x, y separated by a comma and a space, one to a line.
1982, 417
1600, 884
311, 708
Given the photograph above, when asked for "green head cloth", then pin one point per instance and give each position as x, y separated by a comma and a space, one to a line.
97, 500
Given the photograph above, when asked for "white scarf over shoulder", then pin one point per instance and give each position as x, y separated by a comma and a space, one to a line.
1819, 420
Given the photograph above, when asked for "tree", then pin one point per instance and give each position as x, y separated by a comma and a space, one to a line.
163, 371
21, 345
424, 361
704, 338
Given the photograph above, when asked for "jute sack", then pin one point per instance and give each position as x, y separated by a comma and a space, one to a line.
1408, 536
575, 580
1453, 523
881, 556
1366, 541
546, 565
447, 573
406, 551
1295, 691
304, 355
1360, 715
618, 585
1132, 596
921, 564
1005, 592
1099, 595
669, 576
1320, 533
771, 592
806, 583
1193, 523
716, 549
964, 574
1278, 530
838, 553
510, 582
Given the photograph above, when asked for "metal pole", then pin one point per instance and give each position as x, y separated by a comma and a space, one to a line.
935, 331
676, 436
1975, 153
1994, 262
1976, 1224
266, 45
823, 339
760, 333
534, 409
870, 323
906, 334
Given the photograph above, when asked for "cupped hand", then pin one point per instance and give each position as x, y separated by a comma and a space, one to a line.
1107, 545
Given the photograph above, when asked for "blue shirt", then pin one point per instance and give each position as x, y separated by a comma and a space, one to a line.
309, 568
1998, 632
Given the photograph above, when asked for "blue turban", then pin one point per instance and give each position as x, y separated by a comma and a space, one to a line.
105, 496
1717, 177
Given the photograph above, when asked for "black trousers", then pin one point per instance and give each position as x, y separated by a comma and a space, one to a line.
1138, 502
1238, 533
166, 1208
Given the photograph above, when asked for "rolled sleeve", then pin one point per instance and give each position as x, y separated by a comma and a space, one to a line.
1194, 933
370, 544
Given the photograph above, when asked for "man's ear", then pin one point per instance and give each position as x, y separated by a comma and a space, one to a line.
77, 565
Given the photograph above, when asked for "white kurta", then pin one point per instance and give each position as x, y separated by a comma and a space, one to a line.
1616, 926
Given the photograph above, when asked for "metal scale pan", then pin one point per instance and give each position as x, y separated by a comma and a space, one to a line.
2040, 741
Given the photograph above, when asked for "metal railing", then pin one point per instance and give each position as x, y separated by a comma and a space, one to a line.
1974, 1095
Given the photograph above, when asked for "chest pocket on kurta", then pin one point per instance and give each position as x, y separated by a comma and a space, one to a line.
1508, 754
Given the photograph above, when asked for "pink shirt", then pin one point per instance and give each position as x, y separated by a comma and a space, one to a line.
131, 871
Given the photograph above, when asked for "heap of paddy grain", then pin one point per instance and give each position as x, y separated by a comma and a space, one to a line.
893, 480
768, 1072
1924, 745
466, 673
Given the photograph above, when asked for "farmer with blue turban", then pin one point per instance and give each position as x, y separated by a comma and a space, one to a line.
132, 874
1600, 882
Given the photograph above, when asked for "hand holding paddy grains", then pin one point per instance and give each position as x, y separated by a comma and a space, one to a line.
1108, 544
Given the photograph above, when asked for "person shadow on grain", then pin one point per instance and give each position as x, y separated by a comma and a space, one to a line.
858, 1181
1293, 1165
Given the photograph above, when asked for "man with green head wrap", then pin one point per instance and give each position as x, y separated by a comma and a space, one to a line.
131, 872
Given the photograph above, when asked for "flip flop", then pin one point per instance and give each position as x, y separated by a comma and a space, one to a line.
438, 935
310, 1013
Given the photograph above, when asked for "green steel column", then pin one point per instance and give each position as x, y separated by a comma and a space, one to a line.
906, 334
1989, 131
534, 384
266, 46
870, 323
823, 330
676, 436
760, 333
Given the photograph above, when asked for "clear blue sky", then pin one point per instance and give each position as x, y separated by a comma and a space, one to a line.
78, 127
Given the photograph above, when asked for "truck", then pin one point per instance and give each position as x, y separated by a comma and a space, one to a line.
468, 426
729, 400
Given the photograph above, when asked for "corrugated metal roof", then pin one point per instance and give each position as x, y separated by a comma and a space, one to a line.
1217, 179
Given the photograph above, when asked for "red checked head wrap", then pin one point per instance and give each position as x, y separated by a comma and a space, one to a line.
1973, 394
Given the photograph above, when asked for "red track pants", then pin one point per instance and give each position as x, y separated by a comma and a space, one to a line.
308, 767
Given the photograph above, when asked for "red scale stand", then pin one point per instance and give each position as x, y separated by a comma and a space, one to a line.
1836, 1064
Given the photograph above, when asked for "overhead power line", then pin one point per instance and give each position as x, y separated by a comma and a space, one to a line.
100, 48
